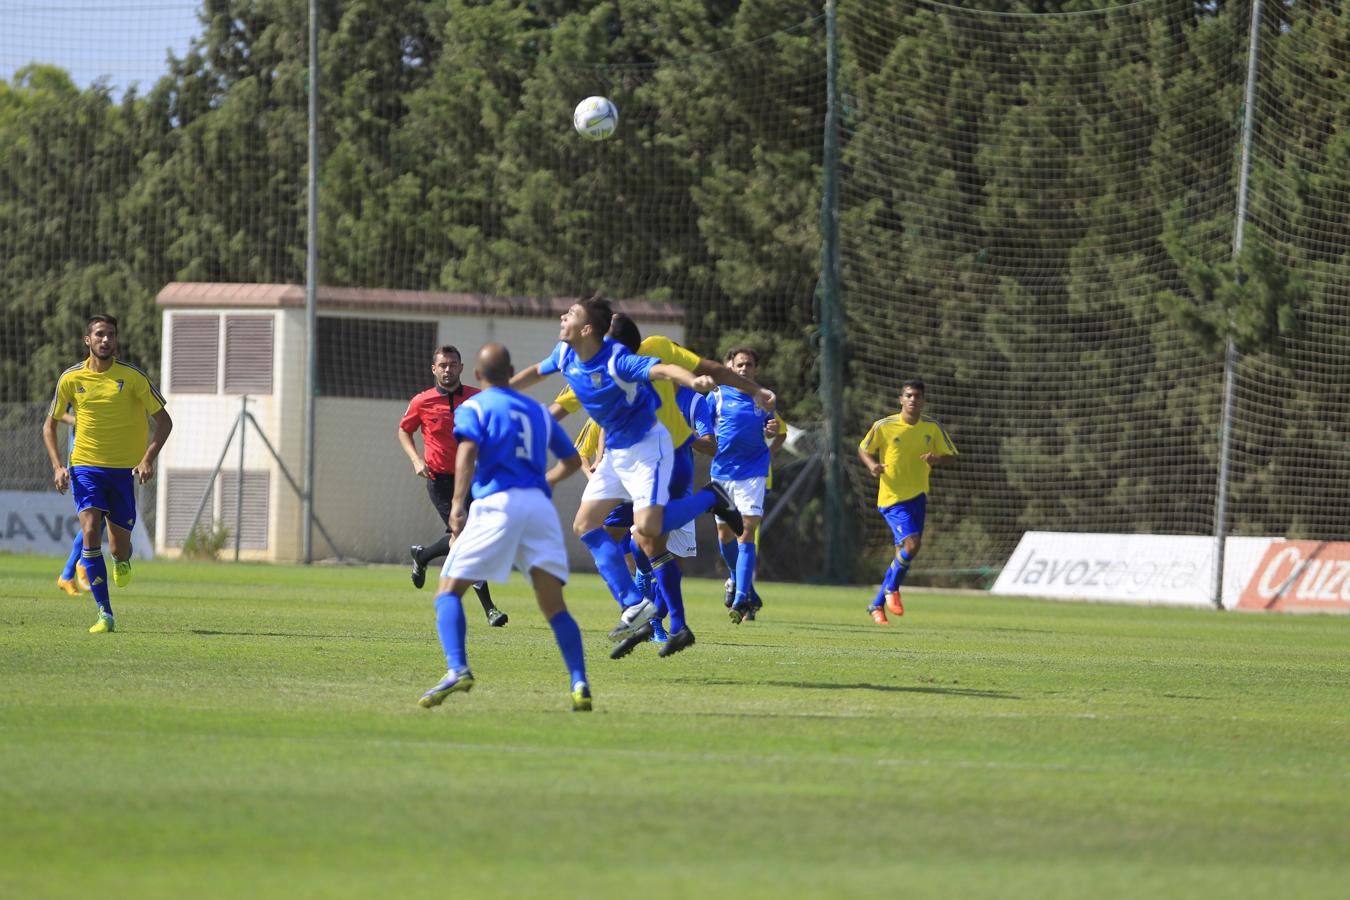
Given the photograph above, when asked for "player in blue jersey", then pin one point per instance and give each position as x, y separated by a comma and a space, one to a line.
113, 402
504, 441
741, 467
614, 386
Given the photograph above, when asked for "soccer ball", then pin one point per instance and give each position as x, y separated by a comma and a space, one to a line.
595, 118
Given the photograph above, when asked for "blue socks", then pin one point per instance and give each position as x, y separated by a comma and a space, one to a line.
666, 569
730, 552
98, 578
76, 549
895, 575
609, 561
568, 636
450, 628
686, 509
745, 573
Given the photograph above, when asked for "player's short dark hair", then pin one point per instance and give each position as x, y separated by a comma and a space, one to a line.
96, 319
624, 330
599, 313
737, 351
447, 350
916, 383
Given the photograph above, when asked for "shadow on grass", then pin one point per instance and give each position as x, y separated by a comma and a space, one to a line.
864, 686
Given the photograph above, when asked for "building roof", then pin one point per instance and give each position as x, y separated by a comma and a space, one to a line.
221, 295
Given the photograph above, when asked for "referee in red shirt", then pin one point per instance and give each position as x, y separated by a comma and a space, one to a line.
433, 411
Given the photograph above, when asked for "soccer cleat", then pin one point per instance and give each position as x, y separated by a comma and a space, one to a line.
878, 615
626, 646
633, 618
581, 697
496, 618
724, 508
678, 641
452, 682
104, 625
419, 568
121, 572
659, 633
739, 612
728, 592
893, 604
69, 586
82, 576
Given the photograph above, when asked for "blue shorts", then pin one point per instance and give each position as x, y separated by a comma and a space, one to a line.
906, 517
111, 490
681, 480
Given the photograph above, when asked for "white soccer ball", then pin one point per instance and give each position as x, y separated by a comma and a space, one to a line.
595, 118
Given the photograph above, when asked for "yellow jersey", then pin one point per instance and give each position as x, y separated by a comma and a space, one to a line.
668, 413
588, 441
898, 446
111, 410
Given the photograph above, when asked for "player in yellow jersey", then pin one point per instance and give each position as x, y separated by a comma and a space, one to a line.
112, 402
901, 450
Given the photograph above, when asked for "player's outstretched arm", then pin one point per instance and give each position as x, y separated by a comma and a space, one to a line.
524, 380
682, 376
724, 374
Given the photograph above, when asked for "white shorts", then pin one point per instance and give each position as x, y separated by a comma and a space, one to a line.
640, 473
682, 541
747, 494
516, 527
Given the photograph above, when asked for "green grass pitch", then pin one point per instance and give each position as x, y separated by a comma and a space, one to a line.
252, 731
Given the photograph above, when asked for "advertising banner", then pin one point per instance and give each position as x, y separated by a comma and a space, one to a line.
1127, 568
1301, 575
45, 522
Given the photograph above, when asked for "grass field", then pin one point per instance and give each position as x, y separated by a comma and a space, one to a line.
253, 731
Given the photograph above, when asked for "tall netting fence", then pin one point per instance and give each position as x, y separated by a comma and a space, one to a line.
1036, 216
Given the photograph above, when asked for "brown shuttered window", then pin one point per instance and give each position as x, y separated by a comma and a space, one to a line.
253, 523
184, 487
248, 354
194, 355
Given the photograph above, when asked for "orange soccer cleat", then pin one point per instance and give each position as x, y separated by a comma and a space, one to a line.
894, 605
878, 615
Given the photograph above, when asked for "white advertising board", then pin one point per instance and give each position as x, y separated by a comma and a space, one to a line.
45, 522
1128, 568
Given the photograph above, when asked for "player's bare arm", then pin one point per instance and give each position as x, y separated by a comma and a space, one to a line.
526, 379
60, 475
466, 460
145, 469
764, 398
874, 467
563, 468
405, 440
682, 376
935, 459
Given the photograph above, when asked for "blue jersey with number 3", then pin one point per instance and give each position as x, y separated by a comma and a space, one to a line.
514, 435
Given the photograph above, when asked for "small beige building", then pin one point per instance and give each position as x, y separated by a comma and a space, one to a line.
235, 347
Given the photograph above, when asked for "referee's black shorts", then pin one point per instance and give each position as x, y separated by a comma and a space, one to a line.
441, 490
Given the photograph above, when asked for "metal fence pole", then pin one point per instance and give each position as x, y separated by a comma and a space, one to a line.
1230, 358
